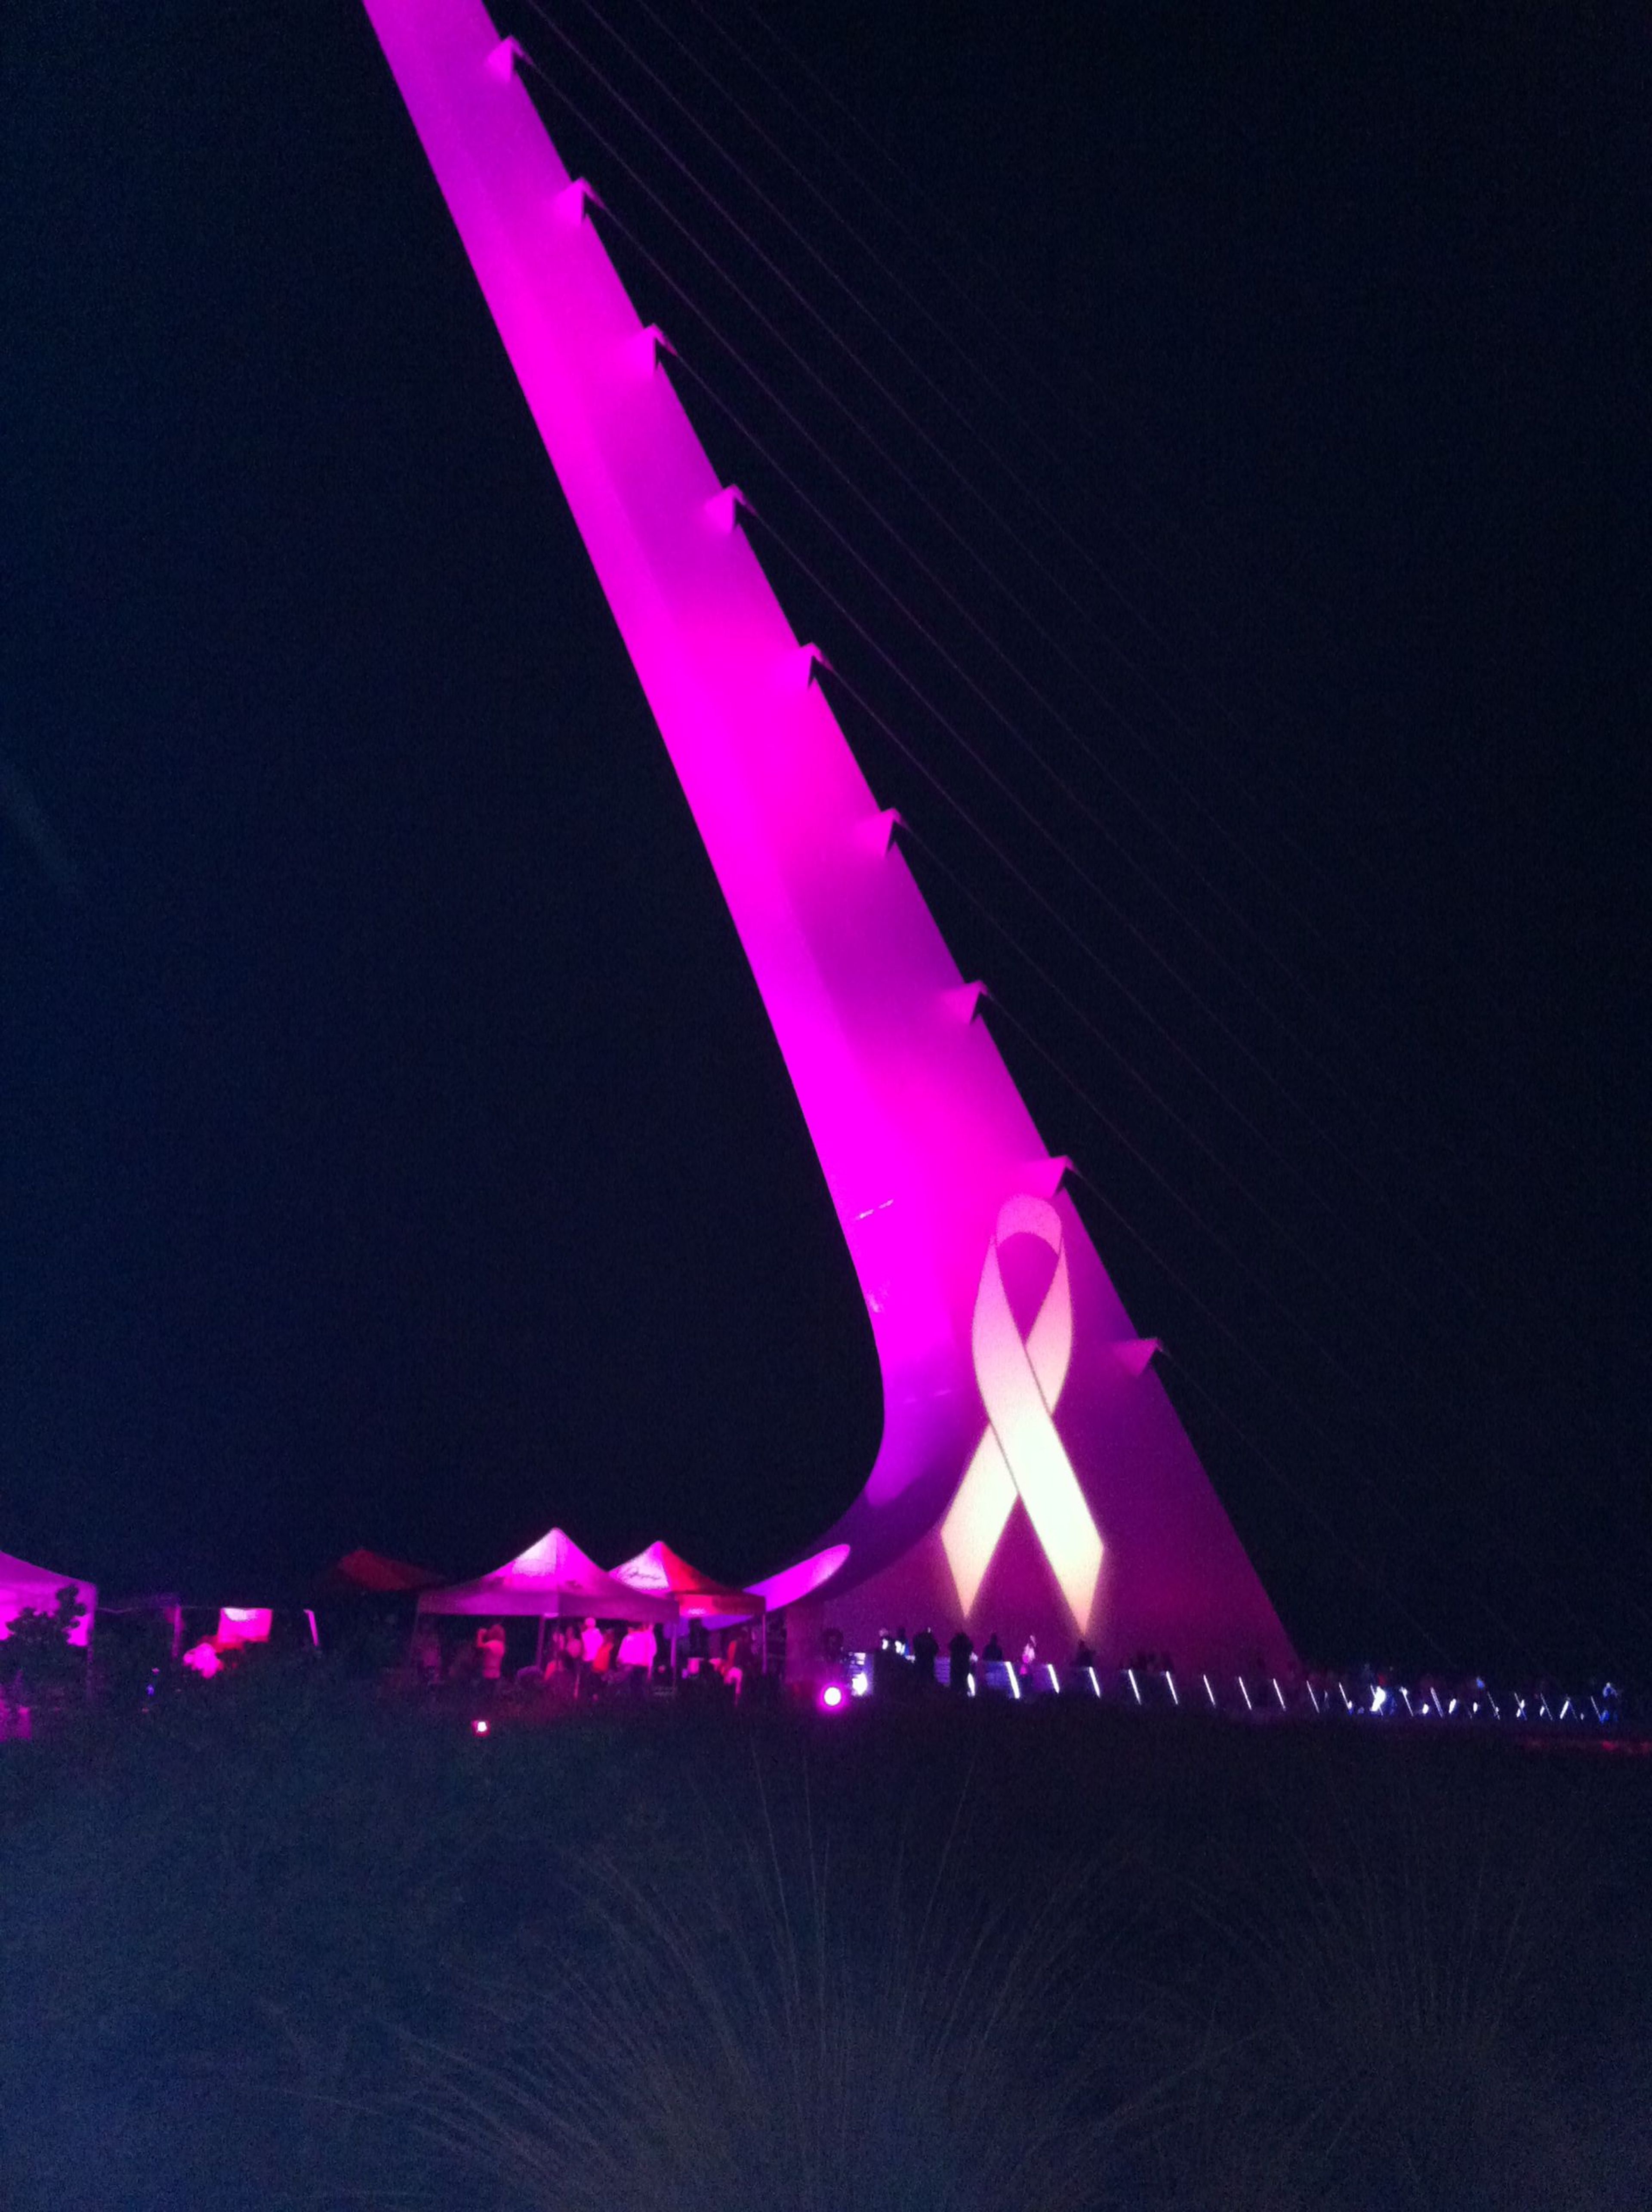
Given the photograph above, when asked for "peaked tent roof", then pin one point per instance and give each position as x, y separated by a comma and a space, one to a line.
699, 1595
551, 1578
370, 1573
22, 1586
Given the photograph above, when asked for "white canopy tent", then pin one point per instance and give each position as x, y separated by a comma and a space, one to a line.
22, 1586
699, 1595
552, 1580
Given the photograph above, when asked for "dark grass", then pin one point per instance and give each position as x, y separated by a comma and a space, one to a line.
288, 1942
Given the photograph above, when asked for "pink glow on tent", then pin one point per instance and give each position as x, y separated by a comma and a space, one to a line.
663, 1572
243, 1624
1108, 1526
26, 1588
552, 1580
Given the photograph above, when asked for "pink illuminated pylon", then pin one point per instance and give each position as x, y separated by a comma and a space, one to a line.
933, 1165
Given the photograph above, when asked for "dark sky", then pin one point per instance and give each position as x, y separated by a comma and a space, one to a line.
393, 1147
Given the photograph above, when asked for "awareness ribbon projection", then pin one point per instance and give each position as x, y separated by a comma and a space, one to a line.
932, 1160
1021, 1453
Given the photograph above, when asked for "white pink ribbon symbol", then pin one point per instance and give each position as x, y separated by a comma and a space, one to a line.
1021, 1454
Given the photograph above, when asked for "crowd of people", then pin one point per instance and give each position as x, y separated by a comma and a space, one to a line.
584, 1659
901, 1662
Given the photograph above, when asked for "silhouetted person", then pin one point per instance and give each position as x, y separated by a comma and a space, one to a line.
737, 1664
925, 1651
993, 1654
490, 1644
1083, 1657
960, 1655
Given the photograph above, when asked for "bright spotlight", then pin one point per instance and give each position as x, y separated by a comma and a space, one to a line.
478, 1727
832, 1696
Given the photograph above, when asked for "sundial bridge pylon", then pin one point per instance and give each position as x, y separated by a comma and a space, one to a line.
1032, 1475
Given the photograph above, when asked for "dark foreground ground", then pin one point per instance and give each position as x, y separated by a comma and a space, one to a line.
285, 1942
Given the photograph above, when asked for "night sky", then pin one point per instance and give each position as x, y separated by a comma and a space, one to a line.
393, 1148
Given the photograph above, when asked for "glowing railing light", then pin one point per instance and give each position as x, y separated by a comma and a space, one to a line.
1055, 1679
478, 1727
970, 1681
1451, 1708
1278, 1692
1094, 1684
1519, 1708
1435, 1694
1244, 1693
832, 1696
1171, 1679
1312, 1699
1379, 1697
1405, 1694
1209, 1693
1599, 1715
1130, 1677
1015, 1686
1565, 1709
1346, 1699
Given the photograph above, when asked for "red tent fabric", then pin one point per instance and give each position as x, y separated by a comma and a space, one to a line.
664, 1572
362, 1573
